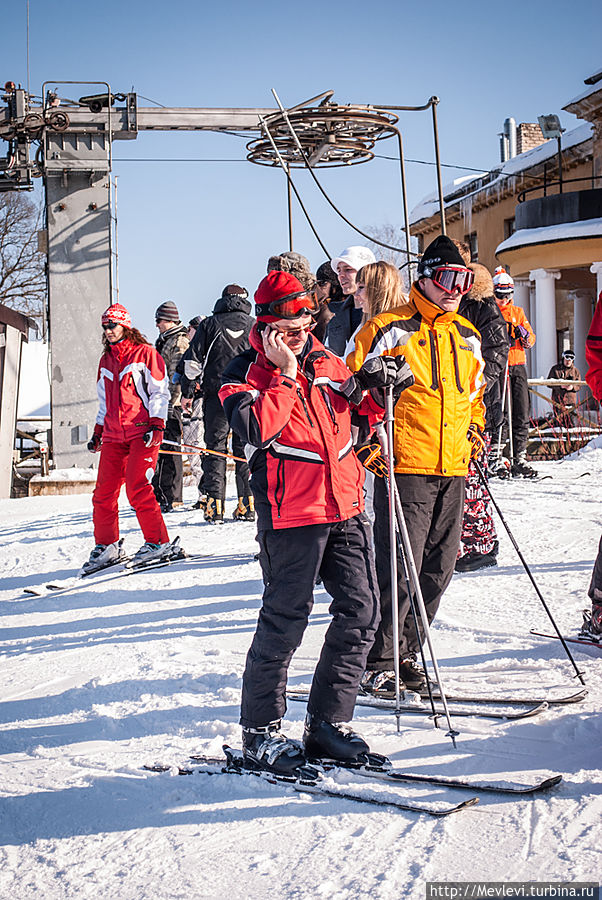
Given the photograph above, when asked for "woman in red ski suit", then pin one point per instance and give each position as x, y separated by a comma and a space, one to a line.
289, 399
133, 396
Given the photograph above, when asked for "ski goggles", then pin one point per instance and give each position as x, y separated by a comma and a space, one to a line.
452, 278
292, 306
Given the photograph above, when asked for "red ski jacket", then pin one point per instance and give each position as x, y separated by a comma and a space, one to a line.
593, 352
298, 435
133, 392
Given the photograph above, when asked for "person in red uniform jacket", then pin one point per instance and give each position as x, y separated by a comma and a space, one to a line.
289, 399
592, 620
133, 396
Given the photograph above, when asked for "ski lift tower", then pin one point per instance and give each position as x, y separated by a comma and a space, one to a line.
74, 158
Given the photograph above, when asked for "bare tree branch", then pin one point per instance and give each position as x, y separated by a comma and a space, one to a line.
22, 275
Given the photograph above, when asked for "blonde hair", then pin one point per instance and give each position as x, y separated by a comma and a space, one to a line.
382, 282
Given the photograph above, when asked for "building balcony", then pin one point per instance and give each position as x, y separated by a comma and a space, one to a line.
558, 230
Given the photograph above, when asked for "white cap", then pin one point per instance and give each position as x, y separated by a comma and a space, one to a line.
502, 281
356, 257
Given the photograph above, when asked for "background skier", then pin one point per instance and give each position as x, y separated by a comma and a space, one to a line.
522, 338
218, 339
133, 397
564, 397
172, 343
478, 541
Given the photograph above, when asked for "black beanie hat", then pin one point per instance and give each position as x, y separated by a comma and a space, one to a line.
441, 252
168, 311
235, 290
195, 322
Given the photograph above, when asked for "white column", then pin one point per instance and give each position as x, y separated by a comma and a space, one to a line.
545, 315
582, 317
596, 268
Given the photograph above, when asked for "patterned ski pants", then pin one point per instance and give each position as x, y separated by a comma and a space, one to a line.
478, 529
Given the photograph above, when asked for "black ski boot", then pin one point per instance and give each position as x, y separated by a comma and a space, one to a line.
473, 561
327, 740
592, 624
521, 469
266, 749
412, 674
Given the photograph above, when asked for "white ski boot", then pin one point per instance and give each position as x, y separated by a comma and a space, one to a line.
103, 556
153, 553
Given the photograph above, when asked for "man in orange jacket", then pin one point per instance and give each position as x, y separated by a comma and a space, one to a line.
522, 337
439, 422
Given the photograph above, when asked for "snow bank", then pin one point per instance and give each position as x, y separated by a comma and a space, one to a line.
147, 668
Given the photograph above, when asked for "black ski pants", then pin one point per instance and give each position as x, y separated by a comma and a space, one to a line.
432, 507
167, 480
519, 397
292, 559
595, 588
217, 430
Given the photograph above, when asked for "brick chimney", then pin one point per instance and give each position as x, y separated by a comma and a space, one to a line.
528, 136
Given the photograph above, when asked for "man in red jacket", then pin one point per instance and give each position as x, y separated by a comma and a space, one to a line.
289, 399
592, 621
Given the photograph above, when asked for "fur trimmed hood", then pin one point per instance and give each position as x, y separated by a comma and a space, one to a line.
483, 282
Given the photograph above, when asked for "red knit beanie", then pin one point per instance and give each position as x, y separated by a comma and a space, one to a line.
117, 313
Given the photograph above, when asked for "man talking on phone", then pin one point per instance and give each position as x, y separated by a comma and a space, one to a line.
290, 400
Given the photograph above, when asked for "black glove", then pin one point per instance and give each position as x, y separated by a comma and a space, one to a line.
378, 372
385, 371
96, 439
153, 437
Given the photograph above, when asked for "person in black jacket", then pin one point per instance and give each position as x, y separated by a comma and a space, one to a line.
172, 343
218, 339
478, 543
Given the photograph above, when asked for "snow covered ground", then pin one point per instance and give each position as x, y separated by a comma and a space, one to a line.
147, 669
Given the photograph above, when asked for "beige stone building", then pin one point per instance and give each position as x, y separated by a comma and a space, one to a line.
545, 229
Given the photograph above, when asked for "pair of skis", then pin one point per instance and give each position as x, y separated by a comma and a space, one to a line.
111, 572
509, 708
311, 779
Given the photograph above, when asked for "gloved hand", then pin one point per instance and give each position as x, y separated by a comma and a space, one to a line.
475, 436
521, 334
96, 440
371, 457
153, 437
384, 371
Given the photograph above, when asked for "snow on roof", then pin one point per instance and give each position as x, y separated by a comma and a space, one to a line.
430, 205
550, 233
547, 150
592, 89
34, 385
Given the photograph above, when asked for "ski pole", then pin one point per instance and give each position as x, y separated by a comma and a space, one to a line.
393, 547
527, 569
201, 450
501, 428
405, 537
409, 562
510, 422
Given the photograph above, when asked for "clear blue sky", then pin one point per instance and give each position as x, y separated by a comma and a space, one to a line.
187, 229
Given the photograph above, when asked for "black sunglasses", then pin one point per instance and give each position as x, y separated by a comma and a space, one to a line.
109, 326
